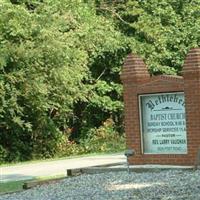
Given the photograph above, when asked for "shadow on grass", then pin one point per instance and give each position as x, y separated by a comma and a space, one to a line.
14, 186
7, 186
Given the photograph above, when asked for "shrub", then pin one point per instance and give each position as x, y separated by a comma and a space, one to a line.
104, 139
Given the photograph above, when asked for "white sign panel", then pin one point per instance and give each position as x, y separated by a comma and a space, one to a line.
163, 123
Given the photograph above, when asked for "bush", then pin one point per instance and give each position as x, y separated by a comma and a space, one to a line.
51, 59
104, 139
3, 154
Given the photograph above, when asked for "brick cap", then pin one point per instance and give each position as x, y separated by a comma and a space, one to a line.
174, 78
192, 61
134, 69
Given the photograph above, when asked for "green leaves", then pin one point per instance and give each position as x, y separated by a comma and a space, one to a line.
161, 31
166, 26
51, 53
60, 63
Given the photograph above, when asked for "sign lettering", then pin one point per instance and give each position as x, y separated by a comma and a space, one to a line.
163, 123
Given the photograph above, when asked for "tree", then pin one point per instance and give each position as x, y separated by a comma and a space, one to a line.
48, 50
161, 31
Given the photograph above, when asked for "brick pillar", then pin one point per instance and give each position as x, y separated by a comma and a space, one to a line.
133, 74
191, 74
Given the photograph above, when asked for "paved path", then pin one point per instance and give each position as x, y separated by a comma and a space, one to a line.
53, 168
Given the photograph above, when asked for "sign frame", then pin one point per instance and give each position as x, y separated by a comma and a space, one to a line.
141, 124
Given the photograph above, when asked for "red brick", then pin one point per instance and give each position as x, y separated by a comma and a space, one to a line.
136, 80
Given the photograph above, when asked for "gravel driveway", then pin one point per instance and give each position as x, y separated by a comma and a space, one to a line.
163, 185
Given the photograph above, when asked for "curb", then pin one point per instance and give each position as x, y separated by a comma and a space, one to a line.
69, 173
102, 169
117, 167
31, 184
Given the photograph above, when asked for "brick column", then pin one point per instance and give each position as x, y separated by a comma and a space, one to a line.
134, 73
191, 74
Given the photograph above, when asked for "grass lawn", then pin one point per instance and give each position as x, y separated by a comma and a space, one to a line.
16, 186
11, 186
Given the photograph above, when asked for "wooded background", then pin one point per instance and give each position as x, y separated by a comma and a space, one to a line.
60, 61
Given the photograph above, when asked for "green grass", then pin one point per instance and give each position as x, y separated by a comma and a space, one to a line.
13, 186
16, 186
62, 158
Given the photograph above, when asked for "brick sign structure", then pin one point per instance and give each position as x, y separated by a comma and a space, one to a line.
162, 113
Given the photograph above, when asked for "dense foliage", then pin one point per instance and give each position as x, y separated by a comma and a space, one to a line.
51, 83
161, 31
60, 61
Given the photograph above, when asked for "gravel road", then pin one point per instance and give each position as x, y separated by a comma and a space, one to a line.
163, 185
